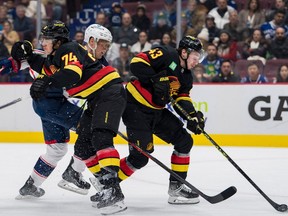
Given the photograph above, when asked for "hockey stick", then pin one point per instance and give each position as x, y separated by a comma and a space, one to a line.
11, 103
212, 199
278, 207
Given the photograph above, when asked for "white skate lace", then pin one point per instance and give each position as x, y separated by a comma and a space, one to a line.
106, 194
183, 187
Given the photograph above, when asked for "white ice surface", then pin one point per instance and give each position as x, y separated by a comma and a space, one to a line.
146, 191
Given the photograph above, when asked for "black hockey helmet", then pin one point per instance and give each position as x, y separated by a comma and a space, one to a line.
55, 30
191, 44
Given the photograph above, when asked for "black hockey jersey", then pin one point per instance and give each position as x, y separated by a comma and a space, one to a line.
147, 64
78, 71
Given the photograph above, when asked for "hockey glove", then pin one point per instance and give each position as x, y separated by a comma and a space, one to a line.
21, 50
174, 85
9, 65
161, 88
38, 87
197, 124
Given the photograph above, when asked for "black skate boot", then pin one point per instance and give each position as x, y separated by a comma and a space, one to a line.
110, 199
73, 181
29, 190
180, 194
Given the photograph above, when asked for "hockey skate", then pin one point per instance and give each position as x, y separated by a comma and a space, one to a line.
73, 181
30, 191
180, 194
109, 200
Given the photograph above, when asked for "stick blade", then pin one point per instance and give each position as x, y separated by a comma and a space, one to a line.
281, 208
223, 195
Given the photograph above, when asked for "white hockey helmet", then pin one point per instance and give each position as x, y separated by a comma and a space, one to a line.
97, 32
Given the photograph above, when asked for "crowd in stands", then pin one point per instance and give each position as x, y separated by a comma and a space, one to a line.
245, 41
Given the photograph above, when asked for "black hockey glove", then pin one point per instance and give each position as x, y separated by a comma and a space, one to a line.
161, 88
39, 86
21, 50
197, 124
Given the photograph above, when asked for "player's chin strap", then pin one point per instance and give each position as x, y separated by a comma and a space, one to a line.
93, 49
278, 207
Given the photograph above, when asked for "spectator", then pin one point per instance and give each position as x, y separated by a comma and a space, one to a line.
140, 19
254, 75
198, 74
3, 16
23, 24
278, 4
210, 33
3, 55
250, 18
11, 9
185, 29
221, 13
156, 32
79, 37
31, 9
282, 74
232, 27
57, 8
226, 74
167, 40
142, 44
122, 63
102, 20
278, 48
9, 36
195, 16
227, 48
210, 4
211, 62
115, 16
255, 47
268, 28
169, 12
127, 33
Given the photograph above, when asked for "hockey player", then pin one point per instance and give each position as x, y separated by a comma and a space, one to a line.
83, 77
163, 72
98, 40
57, 115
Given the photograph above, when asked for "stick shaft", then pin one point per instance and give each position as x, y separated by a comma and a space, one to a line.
11, 103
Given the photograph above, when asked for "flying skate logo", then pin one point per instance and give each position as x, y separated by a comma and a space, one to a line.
260, 108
